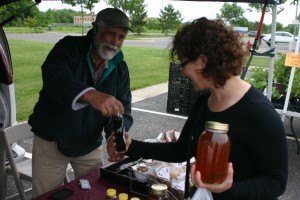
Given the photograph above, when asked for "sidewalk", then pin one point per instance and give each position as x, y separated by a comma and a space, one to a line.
144, 93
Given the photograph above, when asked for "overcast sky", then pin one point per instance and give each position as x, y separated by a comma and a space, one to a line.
189, 10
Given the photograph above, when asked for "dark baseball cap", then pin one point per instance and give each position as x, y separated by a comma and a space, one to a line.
113, 17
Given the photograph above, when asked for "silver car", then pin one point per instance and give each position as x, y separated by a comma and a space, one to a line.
280, 37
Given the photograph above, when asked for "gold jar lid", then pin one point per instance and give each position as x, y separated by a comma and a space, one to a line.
159, 188
111, 192
216, 126
123, 196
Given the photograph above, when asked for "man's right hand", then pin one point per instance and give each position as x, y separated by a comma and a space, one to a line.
106, 104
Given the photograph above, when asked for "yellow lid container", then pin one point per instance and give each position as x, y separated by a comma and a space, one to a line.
111, 192
123, 196
134, 198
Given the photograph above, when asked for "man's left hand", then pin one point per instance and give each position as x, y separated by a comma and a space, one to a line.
113, 154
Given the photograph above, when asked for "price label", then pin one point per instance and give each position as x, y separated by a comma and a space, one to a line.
163, 172
292, 60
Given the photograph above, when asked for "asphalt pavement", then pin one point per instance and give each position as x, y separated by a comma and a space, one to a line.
53, 37
161, 43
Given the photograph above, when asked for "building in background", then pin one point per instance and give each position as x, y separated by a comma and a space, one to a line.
87, 19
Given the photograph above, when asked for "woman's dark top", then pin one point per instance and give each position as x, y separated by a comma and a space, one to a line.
258, 146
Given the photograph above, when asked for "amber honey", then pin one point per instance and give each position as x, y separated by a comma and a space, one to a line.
213, 152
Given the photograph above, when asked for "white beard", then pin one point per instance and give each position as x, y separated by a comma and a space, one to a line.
107, 54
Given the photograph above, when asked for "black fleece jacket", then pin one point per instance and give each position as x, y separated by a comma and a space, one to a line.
66, 74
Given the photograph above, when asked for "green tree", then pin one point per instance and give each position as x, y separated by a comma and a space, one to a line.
138, 16
56, 16
243, 21
231, 13
127, 6
153, 23
290, 28
169, 18
254, 25
258, 6
14, 8
136, 11
87, 4
124, 5
30, 22
279, 26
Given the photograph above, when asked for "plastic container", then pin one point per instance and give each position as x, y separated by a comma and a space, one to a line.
213, 152
111, 194
123, 196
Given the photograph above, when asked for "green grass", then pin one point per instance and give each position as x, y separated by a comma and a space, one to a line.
78, 30
147, 66
27, 58
260, 61
24, 30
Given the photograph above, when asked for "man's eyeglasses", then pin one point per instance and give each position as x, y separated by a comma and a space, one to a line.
181, 65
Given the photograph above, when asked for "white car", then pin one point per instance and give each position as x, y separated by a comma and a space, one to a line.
280, 37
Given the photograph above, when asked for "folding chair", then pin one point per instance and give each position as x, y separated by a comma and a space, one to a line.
23, 169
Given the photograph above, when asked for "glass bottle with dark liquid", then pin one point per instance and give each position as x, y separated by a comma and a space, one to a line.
213, 152
119, 131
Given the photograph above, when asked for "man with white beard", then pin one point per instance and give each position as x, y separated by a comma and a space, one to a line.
85, 83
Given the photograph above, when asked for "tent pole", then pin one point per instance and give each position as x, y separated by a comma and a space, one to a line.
288, 94
272, 59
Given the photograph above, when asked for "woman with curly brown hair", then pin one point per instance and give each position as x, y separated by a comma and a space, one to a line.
212, 57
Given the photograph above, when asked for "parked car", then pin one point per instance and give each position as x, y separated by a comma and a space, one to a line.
7, 89
280, 37
252, 33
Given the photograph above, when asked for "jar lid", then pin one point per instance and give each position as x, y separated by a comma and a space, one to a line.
134, 198
216, 126
111, 192
159, 188
123, 196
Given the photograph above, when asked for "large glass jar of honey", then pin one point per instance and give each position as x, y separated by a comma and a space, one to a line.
213, 152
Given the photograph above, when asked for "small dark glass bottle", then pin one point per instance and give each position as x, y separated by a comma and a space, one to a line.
159, 192
119, 131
